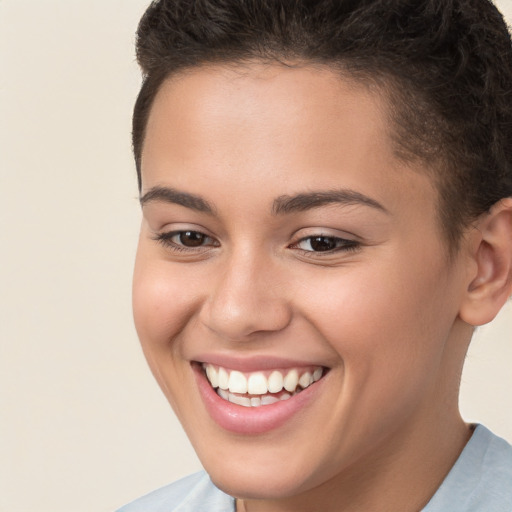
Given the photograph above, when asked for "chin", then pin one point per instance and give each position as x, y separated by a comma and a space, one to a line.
261, 475
257, 484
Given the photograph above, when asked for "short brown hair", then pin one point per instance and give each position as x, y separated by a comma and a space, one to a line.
446, 65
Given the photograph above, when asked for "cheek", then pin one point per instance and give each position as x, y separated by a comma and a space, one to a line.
387, 328
384, 318
164, 300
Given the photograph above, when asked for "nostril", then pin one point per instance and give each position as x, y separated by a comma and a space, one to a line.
241, 320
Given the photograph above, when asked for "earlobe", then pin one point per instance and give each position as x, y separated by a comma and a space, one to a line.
491, 251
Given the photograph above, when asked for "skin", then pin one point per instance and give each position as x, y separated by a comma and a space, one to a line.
383, 312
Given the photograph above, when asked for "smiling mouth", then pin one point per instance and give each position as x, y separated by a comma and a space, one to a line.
255, 389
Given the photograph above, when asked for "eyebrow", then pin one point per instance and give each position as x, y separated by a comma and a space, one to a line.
309, 200
281, 205
173, 196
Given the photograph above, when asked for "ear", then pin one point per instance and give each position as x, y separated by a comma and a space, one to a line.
490, 282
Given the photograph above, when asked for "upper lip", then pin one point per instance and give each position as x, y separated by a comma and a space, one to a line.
253, 363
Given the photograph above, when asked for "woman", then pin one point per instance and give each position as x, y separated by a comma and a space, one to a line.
327, 215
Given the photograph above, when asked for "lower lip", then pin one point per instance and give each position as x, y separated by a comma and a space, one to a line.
252, 420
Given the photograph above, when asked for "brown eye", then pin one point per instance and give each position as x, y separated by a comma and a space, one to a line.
186, 240
191, 238
322, 243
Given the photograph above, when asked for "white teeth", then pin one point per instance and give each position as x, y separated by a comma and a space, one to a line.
291, 380
213, 376
305, 380
240, 400
223, 394
231, 384
255, 401
237, 382
257, 384
223, 379
275, 382
268, 400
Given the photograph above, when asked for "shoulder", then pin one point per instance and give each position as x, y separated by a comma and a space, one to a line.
190, 494
480, 480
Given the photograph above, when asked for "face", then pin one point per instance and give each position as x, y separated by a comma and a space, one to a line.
284, 244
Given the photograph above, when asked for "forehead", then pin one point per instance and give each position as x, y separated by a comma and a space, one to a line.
239, 90
243, 108
290, 127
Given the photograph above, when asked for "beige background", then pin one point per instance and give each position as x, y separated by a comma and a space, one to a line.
83, 427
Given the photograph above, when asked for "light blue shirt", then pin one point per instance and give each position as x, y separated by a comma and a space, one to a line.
480, 481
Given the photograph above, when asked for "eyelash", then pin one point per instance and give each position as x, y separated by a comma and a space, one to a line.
341, 244
166, 240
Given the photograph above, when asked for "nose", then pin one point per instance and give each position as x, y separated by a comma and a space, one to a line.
247, 296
